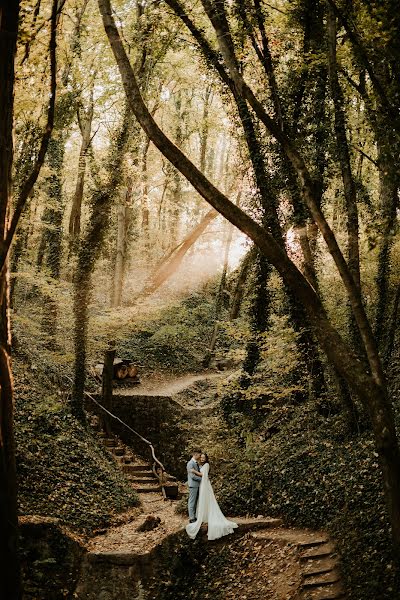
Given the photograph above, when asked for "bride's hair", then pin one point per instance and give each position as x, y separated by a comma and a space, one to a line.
206, 455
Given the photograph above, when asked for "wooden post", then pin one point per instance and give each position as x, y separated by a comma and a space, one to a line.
107, 385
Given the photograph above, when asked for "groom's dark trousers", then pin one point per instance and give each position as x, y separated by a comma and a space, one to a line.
194, 484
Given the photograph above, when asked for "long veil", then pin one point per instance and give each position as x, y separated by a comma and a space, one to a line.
208, 511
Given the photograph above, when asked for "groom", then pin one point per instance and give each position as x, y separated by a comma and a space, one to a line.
193, 483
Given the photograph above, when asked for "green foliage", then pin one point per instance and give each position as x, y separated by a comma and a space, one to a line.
273, 387
176, 339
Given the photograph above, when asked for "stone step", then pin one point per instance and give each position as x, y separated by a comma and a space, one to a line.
321, 580
129, 468
318, 551
140, 489
109, 443
146, 480
331, 592
118, 451
312, 542
143, 480
318, 566
148, 474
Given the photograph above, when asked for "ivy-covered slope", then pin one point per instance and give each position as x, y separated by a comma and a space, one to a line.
302, 466
63, 471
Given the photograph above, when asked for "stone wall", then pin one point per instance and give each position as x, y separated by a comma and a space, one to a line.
117, 576
50, 559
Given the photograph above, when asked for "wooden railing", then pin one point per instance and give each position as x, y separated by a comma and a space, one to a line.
156, 461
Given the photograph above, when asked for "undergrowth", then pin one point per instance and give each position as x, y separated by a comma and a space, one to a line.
177, 338
63, 472
297, 464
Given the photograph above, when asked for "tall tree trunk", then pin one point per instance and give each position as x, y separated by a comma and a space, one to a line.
87, 256
10, 581
389, 200
51, 242
310, 361
176, 191
220, 294
259, 311
123, 222
85, 119
208, 96
52, 236
19, 246
145, 195
349, 187
239, 289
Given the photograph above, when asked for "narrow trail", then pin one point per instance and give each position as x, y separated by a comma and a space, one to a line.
155, 387
125, 539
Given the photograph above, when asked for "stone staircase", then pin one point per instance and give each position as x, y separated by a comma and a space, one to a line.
140, 474
320, 570
319, 562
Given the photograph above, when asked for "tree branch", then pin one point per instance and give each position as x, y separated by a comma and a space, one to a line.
342, 150
358, 45
367, 156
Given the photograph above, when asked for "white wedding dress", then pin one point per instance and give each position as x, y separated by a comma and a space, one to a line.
208, 511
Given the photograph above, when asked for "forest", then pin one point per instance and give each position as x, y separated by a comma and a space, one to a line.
199, 247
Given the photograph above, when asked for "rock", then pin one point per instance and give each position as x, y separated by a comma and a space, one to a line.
151, 522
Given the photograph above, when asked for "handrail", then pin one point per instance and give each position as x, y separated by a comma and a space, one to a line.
125, 424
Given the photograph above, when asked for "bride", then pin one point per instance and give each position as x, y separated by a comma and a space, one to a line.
208, 510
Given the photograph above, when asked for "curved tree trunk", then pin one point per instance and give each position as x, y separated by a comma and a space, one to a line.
10, 581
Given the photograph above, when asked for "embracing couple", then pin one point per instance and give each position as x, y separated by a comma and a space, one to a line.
202, 505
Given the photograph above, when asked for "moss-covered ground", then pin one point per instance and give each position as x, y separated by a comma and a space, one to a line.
63, 471
304, 467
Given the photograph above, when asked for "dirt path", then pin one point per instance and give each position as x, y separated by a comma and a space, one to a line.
126, 539
157, 387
